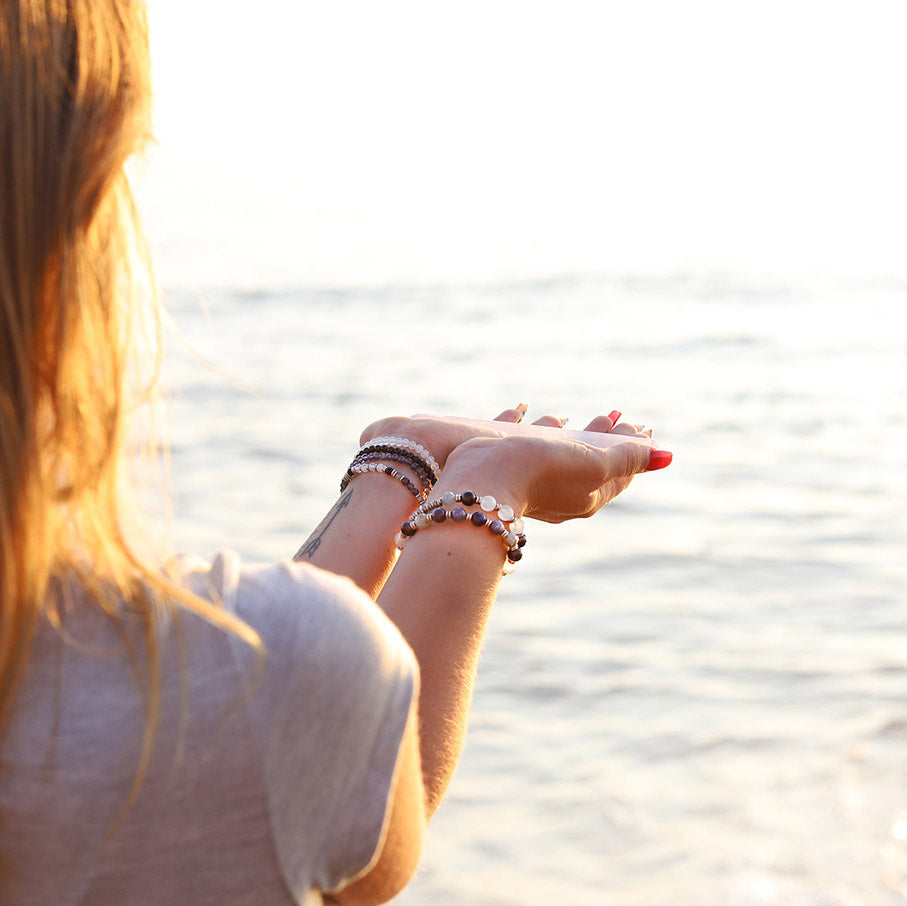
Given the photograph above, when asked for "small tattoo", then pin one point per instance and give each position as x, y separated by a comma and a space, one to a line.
314, 542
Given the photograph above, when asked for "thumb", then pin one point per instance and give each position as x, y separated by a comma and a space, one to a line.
632, 458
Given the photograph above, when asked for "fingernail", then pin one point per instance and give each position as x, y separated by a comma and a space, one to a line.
562, 421
614, 416
659, 459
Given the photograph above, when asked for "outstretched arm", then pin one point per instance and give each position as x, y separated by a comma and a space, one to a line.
440, 592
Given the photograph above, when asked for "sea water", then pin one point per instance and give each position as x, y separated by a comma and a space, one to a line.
700, 695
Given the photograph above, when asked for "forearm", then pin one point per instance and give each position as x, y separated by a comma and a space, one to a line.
384, 483
439, 595
356, 538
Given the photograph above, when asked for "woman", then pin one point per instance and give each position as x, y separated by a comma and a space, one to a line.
228, 733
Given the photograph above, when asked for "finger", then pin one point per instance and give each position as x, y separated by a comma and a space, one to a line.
603, 423
551, 421
633, 458
623, 428
514, 415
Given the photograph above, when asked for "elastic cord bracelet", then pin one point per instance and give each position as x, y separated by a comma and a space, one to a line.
412, 446
404, 457
469, 498
440, 511
383, 468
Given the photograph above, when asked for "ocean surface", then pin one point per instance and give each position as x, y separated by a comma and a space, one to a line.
700, 695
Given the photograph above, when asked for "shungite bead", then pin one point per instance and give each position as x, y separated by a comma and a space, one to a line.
478, 519
514, 555
408, 529
468, 498
439, 514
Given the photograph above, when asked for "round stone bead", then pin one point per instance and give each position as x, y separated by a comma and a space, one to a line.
422, 520
478, 519
505, 513
400, 540
458, 514
468, 498
510, 539
408, 529
515, 555
496, 527
517, 525
522, 541
488, 503
448, 499
439, 514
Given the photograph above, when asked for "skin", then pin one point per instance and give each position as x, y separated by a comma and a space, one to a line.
440, 591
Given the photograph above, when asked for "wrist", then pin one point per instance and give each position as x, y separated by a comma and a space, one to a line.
486, 466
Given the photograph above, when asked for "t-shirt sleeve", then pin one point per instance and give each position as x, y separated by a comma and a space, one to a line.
330, 709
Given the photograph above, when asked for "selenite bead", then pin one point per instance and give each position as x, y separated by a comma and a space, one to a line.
468, 498
448, 499
478, 519
505, 513
515, 555
488, 503
422, 520
496, 527
439, 514
517, 525
510, 539
458, 514
407, 529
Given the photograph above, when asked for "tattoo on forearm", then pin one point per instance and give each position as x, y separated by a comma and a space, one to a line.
307, 551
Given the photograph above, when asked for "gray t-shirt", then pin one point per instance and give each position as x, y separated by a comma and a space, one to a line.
262, 788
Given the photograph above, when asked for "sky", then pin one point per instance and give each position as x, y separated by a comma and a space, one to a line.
364, 142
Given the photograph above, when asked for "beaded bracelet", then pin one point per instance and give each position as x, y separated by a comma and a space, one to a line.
469, 498
398, 454
383, 468
439, 511
416, 448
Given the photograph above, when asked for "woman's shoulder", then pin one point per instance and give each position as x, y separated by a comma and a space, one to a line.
295, 605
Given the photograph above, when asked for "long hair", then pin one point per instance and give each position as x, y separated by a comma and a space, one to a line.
74, 105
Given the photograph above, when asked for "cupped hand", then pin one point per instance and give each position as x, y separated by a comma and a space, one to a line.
549, 478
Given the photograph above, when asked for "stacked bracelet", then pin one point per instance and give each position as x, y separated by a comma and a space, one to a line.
438, 511
411, 446
362, 468
378, 454
398, 454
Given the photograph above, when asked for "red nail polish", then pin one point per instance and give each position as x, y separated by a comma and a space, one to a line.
614, 416
659, 459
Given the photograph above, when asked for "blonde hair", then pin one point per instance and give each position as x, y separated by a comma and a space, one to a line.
74, 105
